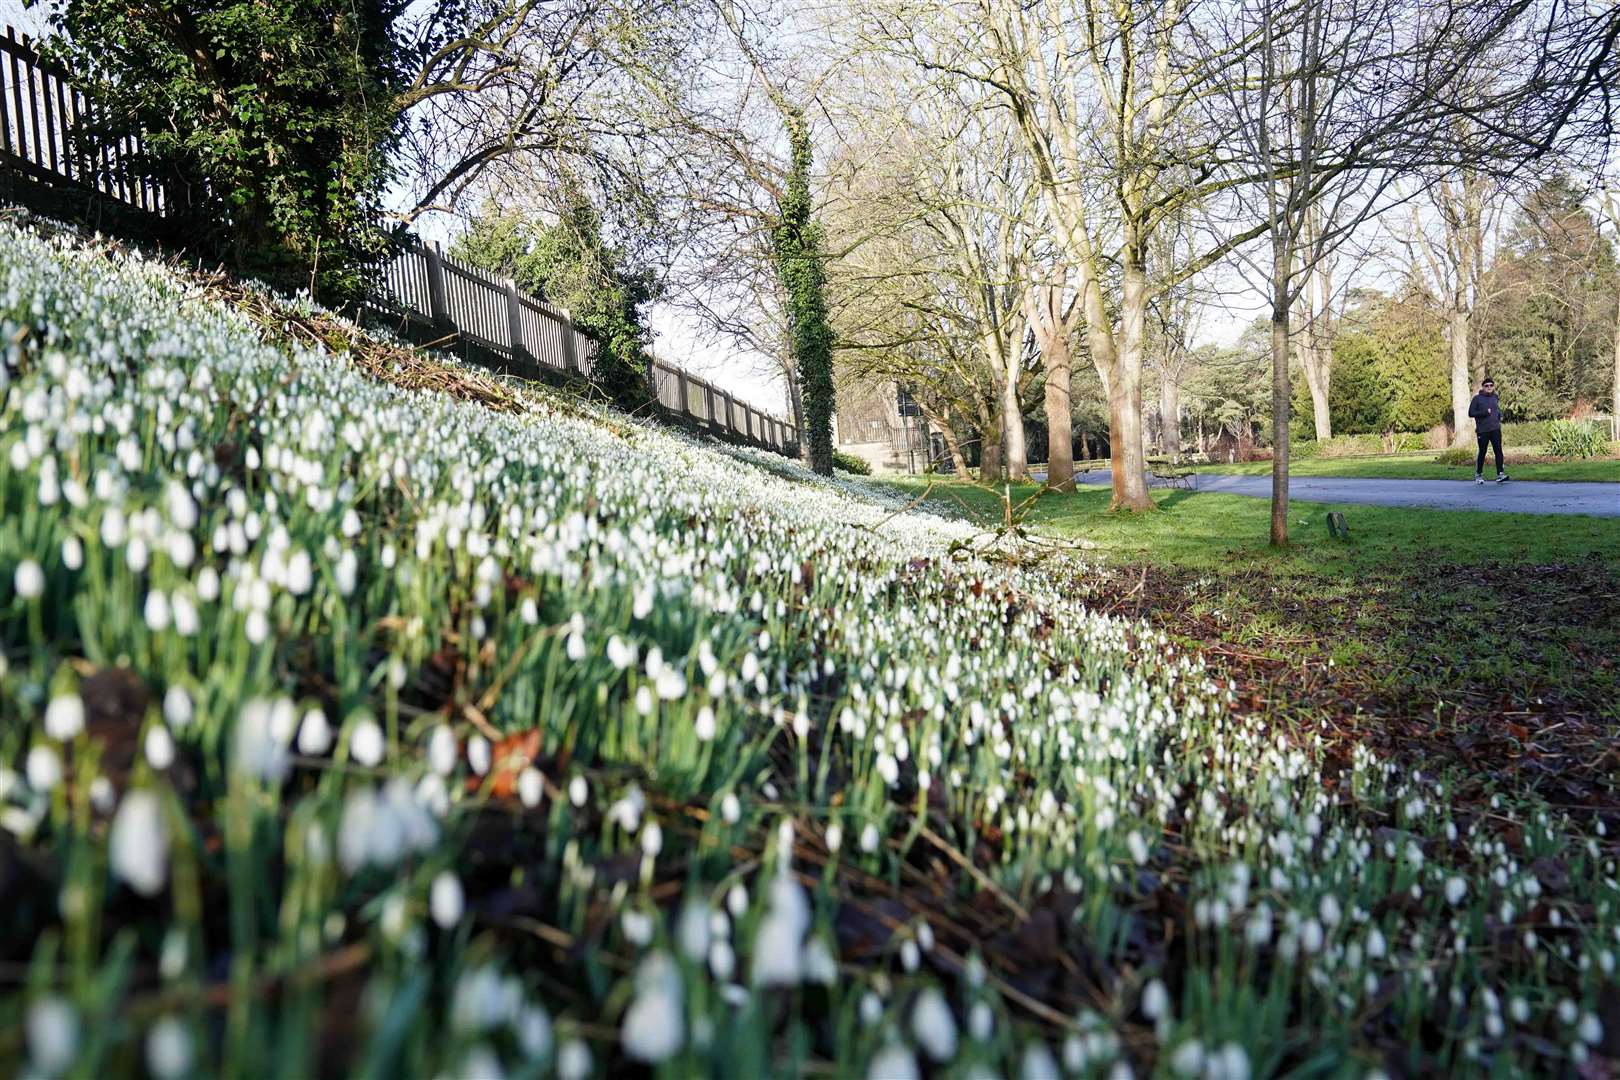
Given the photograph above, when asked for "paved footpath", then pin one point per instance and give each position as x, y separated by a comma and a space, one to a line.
1515, 496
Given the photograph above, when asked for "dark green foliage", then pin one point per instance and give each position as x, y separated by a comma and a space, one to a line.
797, 241
1547, 335
1389, 371
570, 265
851, 464
1575, 439
270, 120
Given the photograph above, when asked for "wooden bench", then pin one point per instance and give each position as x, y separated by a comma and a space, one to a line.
1176, 478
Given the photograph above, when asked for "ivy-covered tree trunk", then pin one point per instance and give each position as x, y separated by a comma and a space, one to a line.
797, 240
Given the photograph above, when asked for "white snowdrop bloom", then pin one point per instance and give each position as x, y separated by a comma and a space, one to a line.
820, 965
533, 1030
186, 619
367, 744
159, 747
835, 837
933, 1025
156, 611
1188, 1058
620, 653
138, 843
350, 526
103, 796
981, 1021
722, 960
441, 750
29, 580
314, 733
574, 1060
730, 808
72, 553
1038, 1063
1328, 909
177, 710
1138, 846
654, 1027
644, 701
871, 1008
703, 726
480, 755
42, 768
692, 931
446, 901
870, 838
575, 646
531, 787
347, 572
578, 791
64, 717
168, 1049
1155, 1000
1456, 889
642, 604
652, 839
53, 1035
482, 1063
893, 1062
910, 955
888, 769
1590, 1029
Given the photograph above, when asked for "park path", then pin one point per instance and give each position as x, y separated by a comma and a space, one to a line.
1515, 496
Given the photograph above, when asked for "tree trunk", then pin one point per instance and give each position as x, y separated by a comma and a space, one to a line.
1014, 446
796, 400
1126, 456
1614, 402
1282, 265
1316, 369
1053, 334
990, 445
1170, 415
1461, 389
942, 424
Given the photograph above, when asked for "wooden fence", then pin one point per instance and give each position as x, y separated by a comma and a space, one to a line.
419, 291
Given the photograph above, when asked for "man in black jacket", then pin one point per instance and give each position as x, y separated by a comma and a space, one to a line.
1487, 414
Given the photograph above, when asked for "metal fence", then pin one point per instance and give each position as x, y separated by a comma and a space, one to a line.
419, 290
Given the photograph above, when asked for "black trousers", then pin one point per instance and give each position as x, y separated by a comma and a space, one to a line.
1492, 439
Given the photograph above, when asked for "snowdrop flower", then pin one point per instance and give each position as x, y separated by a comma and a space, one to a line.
531, 787
820, 965
1138, 846
1456, 889
703, 726
314, 734
42, 768
578, 791
446, 902
479, 754
441, 750
263, 729
574, 1060
138, 843
64, 717
620, 653
159, 747
933, 1026
654, 1026
869, 838
1155, 1000
533, 1030
367, 744
168, 1049
893, 1062
53, 1035
156, 611
29, 580
835, 837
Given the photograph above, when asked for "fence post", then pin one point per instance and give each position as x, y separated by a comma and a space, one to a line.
438, 306
514, 322
570, 345
680, 378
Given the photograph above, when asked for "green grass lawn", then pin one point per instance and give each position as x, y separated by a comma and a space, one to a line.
1423, 466
1421, 612
1208, 530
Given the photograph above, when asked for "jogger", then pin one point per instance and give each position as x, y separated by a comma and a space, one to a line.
1487, 414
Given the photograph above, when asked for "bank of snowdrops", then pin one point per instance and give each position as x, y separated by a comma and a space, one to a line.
355, 729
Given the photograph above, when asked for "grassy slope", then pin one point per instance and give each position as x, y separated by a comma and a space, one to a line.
1061, 797
1425, 467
